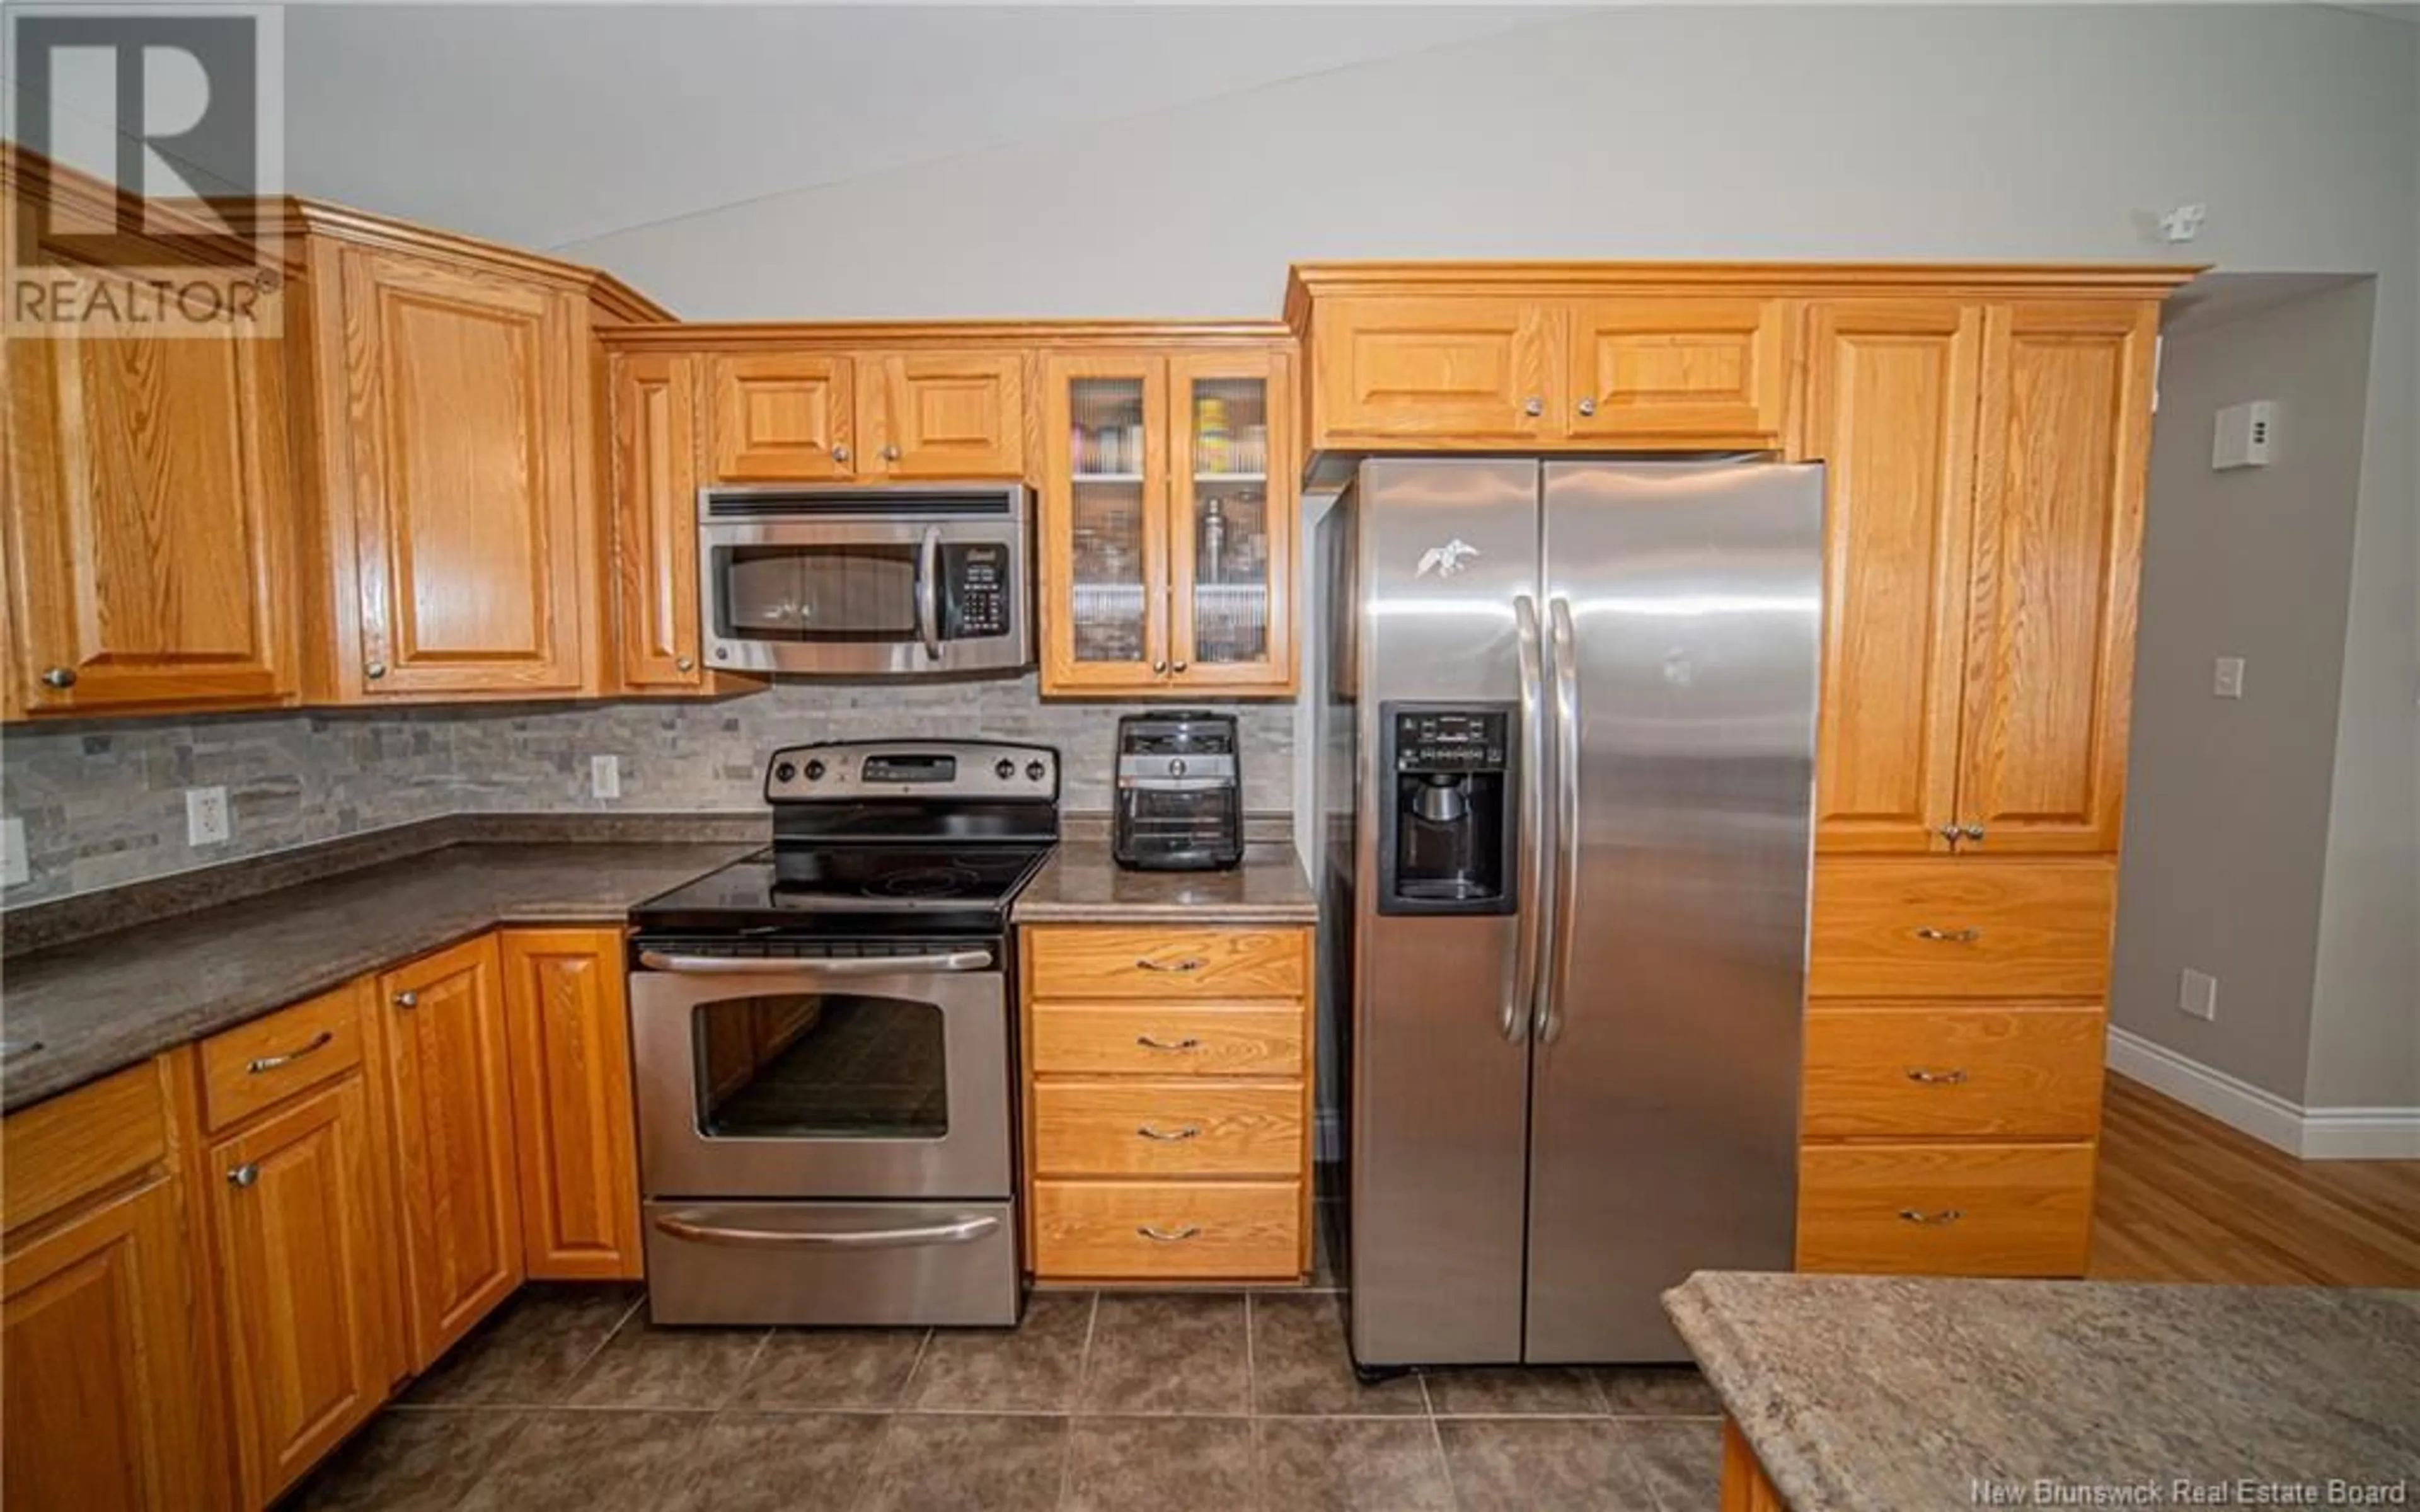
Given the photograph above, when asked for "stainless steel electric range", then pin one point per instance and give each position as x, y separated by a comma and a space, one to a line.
822, 1035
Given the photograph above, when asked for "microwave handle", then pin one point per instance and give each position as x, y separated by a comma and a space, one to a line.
928, 591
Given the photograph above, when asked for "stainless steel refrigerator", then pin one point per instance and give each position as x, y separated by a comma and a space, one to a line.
1568, 772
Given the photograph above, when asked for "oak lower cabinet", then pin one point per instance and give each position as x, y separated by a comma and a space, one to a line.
450, 1089
1166, 1106
107, 1396
567, 1031
303, 1225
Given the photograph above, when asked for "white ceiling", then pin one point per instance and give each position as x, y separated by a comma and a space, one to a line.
542, 124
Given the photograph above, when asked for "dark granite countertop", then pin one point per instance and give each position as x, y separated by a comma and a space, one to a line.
1874, 1394
1082, 885
102, 1003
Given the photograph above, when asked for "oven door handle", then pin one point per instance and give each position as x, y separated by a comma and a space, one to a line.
884, 966
957, 1231
928, 591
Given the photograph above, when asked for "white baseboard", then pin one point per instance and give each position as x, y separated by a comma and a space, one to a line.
2308, 1133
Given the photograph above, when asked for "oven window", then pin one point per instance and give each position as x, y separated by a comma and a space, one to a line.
816, 593
821, 1066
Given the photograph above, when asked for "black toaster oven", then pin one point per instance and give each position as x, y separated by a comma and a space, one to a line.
1180, 804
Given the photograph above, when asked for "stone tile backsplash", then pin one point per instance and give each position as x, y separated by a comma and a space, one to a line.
104, 801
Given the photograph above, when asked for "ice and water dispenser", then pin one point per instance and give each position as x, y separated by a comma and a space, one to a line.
1448, 829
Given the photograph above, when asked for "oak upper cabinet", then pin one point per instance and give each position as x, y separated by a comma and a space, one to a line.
451, 1100
781, 416
1892, 389
1666, 371
1168, 523
941, 414
456, 415
149, 540
1477, 369
2057, 550
302, 1223
567, 1027
98, 1339
655, 467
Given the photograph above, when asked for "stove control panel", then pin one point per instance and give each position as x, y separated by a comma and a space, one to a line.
856, 770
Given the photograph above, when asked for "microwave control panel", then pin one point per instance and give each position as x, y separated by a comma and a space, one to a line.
978, 595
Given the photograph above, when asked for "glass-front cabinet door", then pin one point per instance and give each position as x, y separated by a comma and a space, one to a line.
1104, 535
1232, 529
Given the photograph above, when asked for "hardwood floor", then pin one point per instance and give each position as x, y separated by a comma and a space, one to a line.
2185, 1198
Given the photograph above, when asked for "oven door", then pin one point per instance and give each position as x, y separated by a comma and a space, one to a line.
865, 595
880, 1078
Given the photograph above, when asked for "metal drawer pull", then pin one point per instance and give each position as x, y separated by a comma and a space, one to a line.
1189, 1132
1936, 1078
1191, 962
958, 1231
268, 1063
1947, 1215
1188, 1043
244, 1175
1161, 1236
1949, 936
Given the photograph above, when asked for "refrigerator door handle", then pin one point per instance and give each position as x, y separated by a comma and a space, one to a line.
1563, 641
1521, 992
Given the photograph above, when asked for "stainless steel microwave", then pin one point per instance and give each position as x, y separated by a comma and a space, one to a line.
902, 579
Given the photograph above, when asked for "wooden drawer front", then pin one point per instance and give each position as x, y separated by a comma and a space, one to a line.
57, 1153
1168, 1129
1123, 1040
2019, 1210
1922, 1073
257, 1065
1962, 927
1207, 1230
1155, 964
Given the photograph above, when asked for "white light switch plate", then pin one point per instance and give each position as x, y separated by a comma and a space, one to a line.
605, 777
2197, 995
205, 816
2226, 678
14, 867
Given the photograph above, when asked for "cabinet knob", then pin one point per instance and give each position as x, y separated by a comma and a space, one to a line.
1974, 832
891, 454
407, 999
1950, 833
687, 664
1176, 666
244, 1175
374, 670
1534, 407
840, 453
1160, 666
62, 678
1587, 407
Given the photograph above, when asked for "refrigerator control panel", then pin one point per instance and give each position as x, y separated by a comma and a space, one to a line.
1452, 740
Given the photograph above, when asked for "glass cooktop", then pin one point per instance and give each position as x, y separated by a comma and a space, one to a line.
922, 886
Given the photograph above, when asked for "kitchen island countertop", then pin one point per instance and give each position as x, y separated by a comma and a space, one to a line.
1882, 1394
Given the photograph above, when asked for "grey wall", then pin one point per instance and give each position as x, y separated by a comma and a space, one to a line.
102, 802
2226, 822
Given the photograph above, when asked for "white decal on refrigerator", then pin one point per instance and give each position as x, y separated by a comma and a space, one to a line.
1447, 560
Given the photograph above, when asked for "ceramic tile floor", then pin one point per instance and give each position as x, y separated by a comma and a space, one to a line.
1161, 1402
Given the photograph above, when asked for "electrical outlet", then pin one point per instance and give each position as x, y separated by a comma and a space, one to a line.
205, 816
14, 868
605, 777
2197, 995
2226, 678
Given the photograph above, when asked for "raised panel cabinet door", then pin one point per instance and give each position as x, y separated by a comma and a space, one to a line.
655, 520
1654, 369
471, 551
1232, 531
97, 1346
149, 543
453, 1141
782, 417
943, 414
302, 1262
568, 1031
1102, 525
2059, 530
1891, 398
1440, 371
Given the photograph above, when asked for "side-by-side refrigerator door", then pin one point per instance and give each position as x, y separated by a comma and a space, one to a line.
1448, 566
1684, 604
